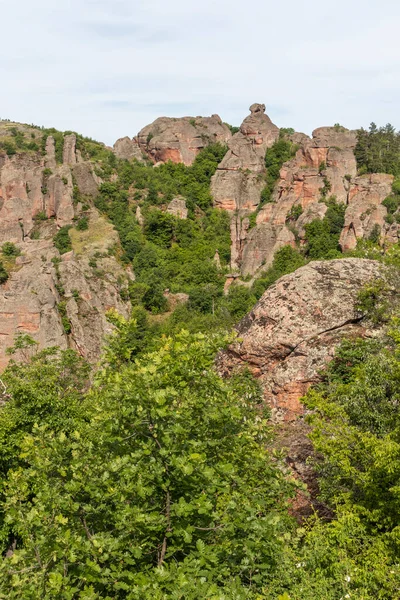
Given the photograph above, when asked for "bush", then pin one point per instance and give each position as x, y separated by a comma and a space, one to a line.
10, 249
82, 224
3, 273
62, 241
322, 236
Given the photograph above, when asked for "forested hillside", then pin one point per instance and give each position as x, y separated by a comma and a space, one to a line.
146, 474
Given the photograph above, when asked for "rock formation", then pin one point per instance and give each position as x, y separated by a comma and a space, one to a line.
324, 166
128, 149
180, 140
295, 327
238, 182
177, 207
37, 196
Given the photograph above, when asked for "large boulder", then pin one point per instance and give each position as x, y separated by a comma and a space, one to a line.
127, 149
295, 327
180, 140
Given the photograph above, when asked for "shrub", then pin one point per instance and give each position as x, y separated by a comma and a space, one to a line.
375, 234
82, 224
3, 273
62, 241
40, 216
10, 249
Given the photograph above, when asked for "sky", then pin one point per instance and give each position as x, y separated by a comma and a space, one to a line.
107, 68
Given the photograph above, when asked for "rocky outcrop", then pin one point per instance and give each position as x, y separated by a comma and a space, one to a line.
127, 149
324, 167
239, 180
365, 210
69, 152
262, 242
180, 140
177, 208
294, 329
37, 286
33, 186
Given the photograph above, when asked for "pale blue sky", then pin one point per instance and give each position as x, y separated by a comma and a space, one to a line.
107, 68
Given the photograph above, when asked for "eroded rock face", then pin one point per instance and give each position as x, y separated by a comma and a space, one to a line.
28, 189
127, 149
239, 180
294, 329
324, 167
180, 140
29, 300
365, 210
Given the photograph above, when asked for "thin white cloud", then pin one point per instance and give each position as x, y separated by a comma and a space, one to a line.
107, 68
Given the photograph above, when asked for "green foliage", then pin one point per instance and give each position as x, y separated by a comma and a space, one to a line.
10, 249
3, 274
62, 241
322, 236
168, 252
375, 234
280, 152
8, 147
233, 128
62, 309
294, 213
392, 204
82, 224
378, 150
40, 216
161, 487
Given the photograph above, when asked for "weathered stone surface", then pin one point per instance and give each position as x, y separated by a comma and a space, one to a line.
325, 159
87, 315
365, 209
238, 182
127, 149
29, 299
50, 159
262, 242
69, 150
294, 329
27, 189
177, 207
86, 180
180, 140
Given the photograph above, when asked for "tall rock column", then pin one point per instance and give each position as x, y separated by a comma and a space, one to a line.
239, 179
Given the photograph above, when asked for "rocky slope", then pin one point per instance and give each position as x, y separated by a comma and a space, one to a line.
294, 329
58, 300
